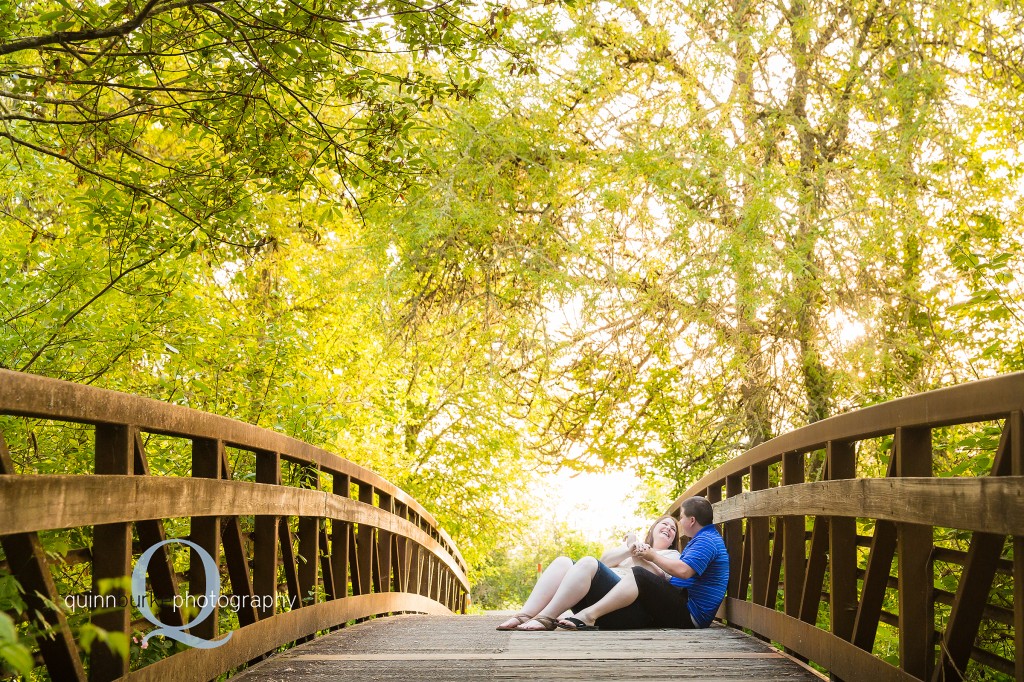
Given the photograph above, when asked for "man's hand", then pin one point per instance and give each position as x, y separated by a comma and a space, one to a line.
642, 549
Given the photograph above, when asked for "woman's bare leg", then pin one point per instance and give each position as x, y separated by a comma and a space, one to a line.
574, 586
544, 590
622, 595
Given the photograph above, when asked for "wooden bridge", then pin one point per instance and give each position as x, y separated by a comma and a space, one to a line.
854, 546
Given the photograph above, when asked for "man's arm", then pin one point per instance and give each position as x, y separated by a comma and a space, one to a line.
674, 567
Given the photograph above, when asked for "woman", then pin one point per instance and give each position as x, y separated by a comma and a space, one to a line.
576, 586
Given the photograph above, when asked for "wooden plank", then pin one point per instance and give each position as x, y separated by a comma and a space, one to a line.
760, 553
987, 504
979, 570
32, 395
111, 552
265, 538
27, 562
842, 536
89, 500
558, 656
913, 448
795, 550
199, 665
207, 462
841, 658
972, 402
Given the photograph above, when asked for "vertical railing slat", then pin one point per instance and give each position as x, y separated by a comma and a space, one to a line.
112, 551
27, 562
876, 575
265, 537
979, 570
309, 542
1017, 469
913, 449
795, 552
734, 538
842, 547
757, 530
207, 462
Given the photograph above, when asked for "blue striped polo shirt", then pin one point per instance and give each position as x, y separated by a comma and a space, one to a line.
705, 554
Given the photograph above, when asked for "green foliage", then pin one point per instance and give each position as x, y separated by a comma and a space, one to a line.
15, 657
466, 245
506, 577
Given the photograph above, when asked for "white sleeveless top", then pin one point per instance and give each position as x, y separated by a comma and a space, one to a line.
627, 565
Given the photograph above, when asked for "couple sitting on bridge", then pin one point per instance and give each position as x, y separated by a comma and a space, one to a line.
655, 585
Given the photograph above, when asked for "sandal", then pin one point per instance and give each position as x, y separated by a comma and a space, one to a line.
548, 623
577, 624
521, 617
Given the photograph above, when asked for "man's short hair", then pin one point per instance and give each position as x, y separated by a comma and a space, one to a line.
700, 509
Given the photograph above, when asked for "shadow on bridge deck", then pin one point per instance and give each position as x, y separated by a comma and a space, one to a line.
469, 648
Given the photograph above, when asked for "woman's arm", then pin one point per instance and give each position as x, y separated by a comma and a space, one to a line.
615, 556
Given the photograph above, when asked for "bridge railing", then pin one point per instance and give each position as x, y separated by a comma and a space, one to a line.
815, 518
339, 543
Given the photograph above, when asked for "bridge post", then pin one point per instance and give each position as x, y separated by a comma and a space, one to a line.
842, 553
207, 460
1017, 468
265, 532
341, 532
365, 544
734, 538
309, 541
112, 553
913, 447
757, 532
795, 543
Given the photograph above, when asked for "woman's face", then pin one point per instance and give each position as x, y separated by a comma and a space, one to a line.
664, 533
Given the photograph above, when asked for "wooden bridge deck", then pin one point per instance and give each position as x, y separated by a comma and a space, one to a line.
469, 648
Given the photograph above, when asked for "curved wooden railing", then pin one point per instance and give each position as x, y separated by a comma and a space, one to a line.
910, 510
347, 543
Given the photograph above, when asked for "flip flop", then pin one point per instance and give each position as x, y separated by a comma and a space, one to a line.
521, 617
548, 623
577, 624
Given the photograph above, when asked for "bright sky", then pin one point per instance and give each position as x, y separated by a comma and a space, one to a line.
601, 506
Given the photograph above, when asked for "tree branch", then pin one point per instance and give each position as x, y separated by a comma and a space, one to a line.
81, 36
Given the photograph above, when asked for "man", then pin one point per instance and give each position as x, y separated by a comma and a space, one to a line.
695, 587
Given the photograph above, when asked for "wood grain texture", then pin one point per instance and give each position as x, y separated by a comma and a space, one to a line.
91, 500
245, 644
35, 396
973, 402
467, 647
987, 504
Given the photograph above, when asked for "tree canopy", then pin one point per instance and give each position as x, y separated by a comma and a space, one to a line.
463, 244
